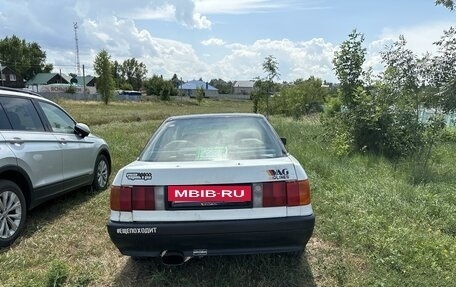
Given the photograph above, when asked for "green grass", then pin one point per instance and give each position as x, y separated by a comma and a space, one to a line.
404, 232
375, 226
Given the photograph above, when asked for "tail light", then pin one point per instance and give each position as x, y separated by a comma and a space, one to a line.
128, 198
286, 193
274, 194
268, 194
298, 193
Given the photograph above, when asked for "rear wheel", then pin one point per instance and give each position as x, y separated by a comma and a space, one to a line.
101, 172
13, 212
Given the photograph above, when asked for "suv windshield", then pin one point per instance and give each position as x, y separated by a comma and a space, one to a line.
213, 138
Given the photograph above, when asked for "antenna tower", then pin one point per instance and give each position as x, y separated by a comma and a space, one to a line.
78, 66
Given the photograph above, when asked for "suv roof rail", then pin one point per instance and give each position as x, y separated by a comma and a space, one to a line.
20, 91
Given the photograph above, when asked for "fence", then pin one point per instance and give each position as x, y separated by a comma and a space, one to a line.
426, 114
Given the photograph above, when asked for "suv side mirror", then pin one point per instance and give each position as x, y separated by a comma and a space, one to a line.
81, 130
284, 141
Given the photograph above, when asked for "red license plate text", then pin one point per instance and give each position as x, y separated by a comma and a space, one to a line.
205, 193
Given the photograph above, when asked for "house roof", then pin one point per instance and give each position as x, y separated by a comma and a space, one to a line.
66, 77
193, 85
6, 69
244, 84
87, 79
44, 78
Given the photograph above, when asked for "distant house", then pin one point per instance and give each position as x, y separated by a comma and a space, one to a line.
9, 78
243, 87
57, 78
60, 83
190, 88
90, 81
48, 79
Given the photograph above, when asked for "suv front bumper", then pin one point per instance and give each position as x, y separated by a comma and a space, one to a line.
227, 237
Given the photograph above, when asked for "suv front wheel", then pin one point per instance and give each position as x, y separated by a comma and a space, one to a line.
101, 170
13, 212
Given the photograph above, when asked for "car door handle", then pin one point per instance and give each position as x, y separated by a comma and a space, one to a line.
17, 141
63, 141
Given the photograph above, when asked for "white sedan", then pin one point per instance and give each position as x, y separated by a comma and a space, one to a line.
214, 184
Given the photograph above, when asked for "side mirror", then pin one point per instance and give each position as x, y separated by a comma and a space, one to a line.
81, 130
284, 141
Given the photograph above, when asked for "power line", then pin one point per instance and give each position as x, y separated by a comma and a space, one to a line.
4, 63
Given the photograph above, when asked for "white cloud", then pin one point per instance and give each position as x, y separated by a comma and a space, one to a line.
125, 40
296, 59
234, 6
166, 57
213, 41
182, 11
420, 38
252, 6
373, 54
165, 12
50, 23
122, 39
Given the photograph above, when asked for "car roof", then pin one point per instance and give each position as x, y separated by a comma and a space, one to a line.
226, 115
5, 91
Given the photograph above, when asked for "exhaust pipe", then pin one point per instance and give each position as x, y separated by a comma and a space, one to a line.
173, 258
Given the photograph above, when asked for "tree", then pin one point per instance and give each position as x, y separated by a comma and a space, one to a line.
154, 85
105, 82
447, 3
176, 82
222, 86
348, 63
258, 95
301, 98
441, 74
403, 76
159, 87
116, 74
271, 68
199, 95
167, 91
133, 72
26, 59
382, 116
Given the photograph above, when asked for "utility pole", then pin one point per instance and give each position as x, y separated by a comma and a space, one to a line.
75, 25
1, 73
83, 82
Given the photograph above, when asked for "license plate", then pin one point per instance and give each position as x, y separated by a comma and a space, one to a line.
210, 193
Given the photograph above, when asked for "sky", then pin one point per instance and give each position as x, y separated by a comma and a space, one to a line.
227, 39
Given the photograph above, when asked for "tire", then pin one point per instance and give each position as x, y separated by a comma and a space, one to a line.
101, 173
13, 212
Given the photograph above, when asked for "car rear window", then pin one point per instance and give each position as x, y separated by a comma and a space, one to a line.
213, 138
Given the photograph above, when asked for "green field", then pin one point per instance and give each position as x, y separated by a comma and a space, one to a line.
375, 226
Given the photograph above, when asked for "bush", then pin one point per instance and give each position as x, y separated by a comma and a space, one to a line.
199, 95
157, 86
71, 89
374, 126
449, 135
126, 86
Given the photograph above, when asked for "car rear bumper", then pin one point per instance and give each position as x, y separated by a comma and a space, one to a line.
228, 237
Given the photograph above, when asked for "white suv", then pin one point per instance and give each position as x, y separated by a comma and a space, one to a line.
43, 153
